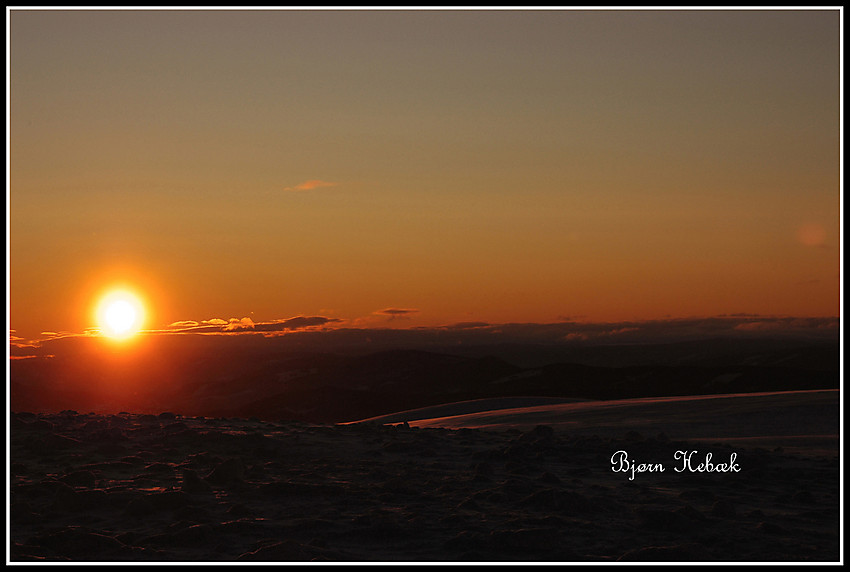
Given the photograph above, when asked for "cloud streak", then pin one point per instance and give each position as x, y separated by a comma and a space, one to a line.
244, 325
184, 324
396, 313
309, 185
812, 234
334, 334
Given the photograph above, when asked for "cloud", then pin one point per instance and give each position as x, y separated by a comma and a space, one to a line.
236, 324
795, 326
467, 325
184, 324
759, 326
18, 345
394, 313
310, 185
525, 342
378, 331
296, 323
247, 325
621, 331
812, 234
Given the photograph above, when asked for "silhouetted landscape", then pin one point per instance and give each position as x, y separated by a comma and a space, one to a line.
253, 376
242, 448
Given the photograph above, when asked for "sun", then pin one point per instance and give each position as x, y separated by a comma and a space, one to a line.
120, 314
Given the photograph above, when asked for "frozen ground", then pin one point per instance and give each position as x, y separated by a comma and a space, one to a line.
518, 484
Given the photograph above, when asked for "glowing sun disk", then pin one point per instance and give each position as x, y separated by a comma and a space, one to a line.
120, 314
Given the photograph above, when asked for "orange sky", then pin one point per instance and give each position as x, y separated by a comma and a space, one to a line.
499, 166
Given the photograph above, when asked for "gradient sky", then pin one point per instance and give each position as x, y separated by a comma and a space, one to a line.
498, 166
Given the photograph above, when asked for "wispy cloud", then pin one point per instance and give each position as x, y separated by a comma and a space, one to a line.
184, 324
236, 324
789, 325
296, 323
812, 234
310, 185
377, 331
242, 325
467, 325
394, 313
380, 328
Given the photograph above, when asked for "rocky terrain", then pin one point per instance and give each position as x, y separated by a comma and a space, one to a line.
157, 488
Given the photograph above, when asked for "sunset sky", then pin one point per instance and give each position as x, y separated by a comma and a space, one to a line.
418, 167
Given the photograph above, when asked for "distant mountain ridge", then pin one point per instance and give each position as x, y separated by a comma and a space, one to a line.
230, 377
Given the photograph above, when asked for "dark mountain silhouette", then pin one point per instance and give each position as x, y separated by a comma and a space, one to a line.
253, 376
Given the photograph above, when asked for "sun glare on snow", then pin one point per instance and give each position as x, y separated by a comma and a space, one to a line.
120, 314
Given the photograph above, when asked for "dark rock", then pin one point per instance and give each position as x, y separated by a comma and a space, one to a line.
580, 472
526, 539
517, 452
40, 425
227, 472
79, 479
804, 497
239, 511
469, 504
175, 427
549, 479
27, 553
66, 499
93, 499
52, 443
159, 468
22, 513
484, 469
397, 447
634, 437
666, 520
194, 535
541, 433
678, 553
18, 469
697, 495
193, 514
112, 449
723, 509
568, 502
771, 528
467, 540
193, 484
168, 500
77, 543
381, 525
140, 506
691, 513
286, 551
398, 485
